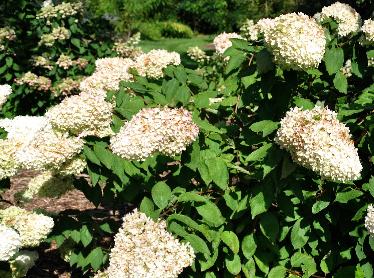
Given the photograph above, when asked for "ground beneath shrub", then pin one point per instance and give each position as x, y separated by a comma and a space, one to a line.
49, 264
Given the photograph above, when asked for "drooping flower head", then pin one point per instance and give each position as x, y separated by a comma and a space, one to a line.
222, 41
152, 130
10, 243
32, 227
349, 21
8, 163
296, 41
5, 91
47, 184
144, 249
318, 141
22, 262
49, 150
82, 115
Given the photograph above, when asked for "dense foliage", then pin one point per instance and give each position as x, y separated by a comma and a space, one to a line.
58, 61
256, 162
206, 16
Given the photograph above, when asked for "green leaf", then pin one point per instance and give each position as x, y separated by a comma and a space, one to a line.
264, 61
90, 155
260, 153
183, 94
218, 171
95, 258
147, 206
303, 103
170, 89
106, 228
235, 61
231, 240
85, 236
105, 156
233, 264
319, 206
192, 225
306, 263
9, 61
340, 82
75, 235
334, 60
211, 214
345, 197
266, 127
261, 199
262, 261
269, 226
76, 42
249, 246
198, 244
356, 70
249, 268
277, 272
161, 194
299, 235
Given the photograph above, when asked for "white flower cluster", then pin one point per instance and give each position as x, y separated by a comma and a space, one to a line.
23, 128
47, 184
48, 150
249, 30
222, 41
368, 30
41, 61
58, 33
5, 91
63, 10
370, 62
346, 70
153, 63
22, 263
8, 164
10, 243
32, 143
6, 34
197, 54
64, 61
36, 82
164, 130
108, 74
128, 48
264, 25
349, 21
21, 131
369, 220
296, 41
82, 115
32, 227
145, 249
318, 141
